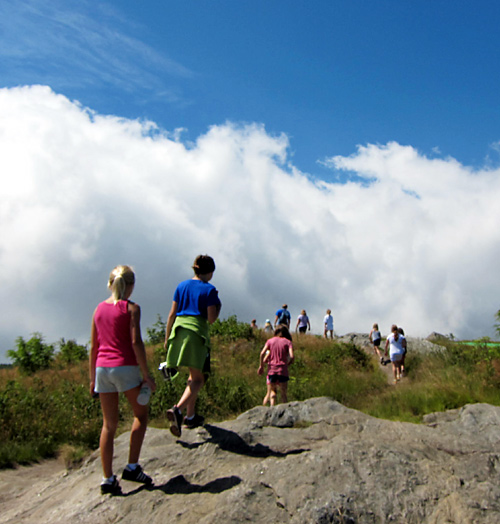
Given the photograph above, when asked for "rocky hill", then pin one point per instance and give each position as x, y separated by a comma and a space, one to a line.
303, 462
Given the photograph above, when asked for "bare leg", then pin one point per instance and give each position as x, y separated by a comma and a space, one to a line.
268, 395
273, 394
194, 384
109, 406
284, 391
139, 425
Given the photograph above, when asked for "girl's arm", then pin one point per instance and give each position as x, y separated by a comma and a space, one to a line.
290, 354
138, 344
262, 359
170, 322
92, 355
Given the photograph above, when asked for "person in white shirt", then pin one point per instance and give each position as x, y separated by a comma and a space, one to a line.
328, 323
397, 344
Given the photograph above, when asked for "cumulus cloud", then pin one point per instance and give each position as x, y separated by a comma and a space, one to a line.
409, 239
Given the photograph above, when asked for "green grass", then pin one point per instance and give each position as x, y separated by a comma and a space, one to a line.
51, 412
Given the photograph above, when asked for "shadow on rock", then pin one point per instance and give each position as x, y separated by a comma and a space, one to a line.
180, 486
231, 441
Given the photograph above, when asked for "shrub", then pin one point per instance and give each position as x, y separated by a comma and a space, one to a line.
70, 352
231, 329
156, 333
33, 355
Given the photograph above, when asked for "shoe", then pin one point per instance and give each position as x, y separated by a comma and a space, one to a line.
174, 416
137, 475
382, 360
195, 422
112, 488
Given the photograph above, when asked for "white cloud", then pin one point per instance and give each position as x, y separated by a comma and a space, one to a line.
417, 244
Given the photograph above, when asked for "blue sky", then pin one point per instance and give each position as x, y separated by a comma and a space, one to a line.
329, 74
328, 154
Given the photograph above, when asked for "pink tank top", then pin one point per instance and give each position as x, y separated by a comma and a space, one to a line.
114, 342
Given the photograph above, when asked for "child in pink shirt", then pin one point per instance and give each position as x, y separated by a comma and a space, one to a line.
278, 354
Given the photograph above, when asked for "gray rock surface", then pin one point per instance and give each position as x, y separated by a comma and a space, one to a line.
303, 462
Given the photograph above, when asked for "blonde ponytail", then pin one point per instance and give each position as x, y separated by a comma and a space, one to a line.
119, 278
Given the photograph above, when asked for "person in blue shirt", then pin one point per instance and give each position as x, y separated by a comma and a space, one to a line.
195, 305
283, 317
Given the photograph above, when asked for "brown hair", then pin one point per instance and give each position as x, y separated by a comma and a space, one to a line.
282, 331
203, 264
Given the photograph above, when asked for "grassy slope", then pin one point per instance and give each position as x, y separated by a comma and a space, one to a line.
53, 409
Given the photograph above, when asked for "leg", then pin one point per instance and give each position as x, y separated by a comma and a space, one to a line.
273, 393
284, 391
395, 371
109, 406
268, 395
139, 425
194, 384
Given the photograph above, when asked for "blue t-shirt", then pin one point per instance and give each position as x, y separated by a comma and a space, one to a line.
193, 298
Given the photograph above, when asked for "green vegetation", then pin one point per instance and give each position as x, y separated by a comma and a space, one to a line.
48, 411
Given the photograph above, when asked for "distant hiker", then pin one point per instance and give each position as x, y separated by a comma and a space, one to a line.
195, 305
117, 360
268, 328
303, 322
283, 317
278, 354
397, 343
401, 332
328, 323
253, 324
375, 339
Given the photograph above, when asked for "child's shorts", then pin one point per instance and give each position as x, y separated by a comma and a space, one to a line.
376, 342
397, 357
118, 379
276, 379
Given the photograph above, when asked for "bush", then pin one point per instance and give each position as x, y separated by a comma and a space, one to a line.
70, 352
33, 355
156, 333
230, 329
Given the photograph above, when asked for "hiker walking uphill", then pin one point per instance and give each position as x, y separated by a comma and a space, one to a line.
283, 317
195, 305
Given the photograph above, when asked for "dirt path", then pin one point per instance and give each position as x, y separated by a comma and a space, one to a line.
386, 369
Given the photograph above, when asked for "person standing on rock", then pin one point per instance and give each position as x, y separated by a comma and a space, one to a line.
283, 317
117, 360
195, 305
328, 323
278, 354
375, 339
397, 344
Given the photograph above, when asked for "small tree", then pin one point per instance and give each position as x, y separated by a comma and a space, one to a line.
70, 352
156, 333
32, 355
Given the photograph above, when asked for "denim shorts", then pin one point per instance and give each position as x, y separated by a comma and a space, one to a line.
117, 380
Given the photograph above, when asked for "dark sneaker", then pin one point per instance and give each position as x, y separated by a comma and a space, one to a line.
112, 488
174, 416
137, 475
195, 422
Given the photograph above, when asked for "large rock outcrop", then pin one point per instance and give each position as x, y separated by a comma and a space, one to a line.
303, 462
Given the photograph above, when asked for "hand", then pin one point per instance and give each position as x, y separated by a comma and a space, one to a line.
149, 380
92, 388
260, 370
